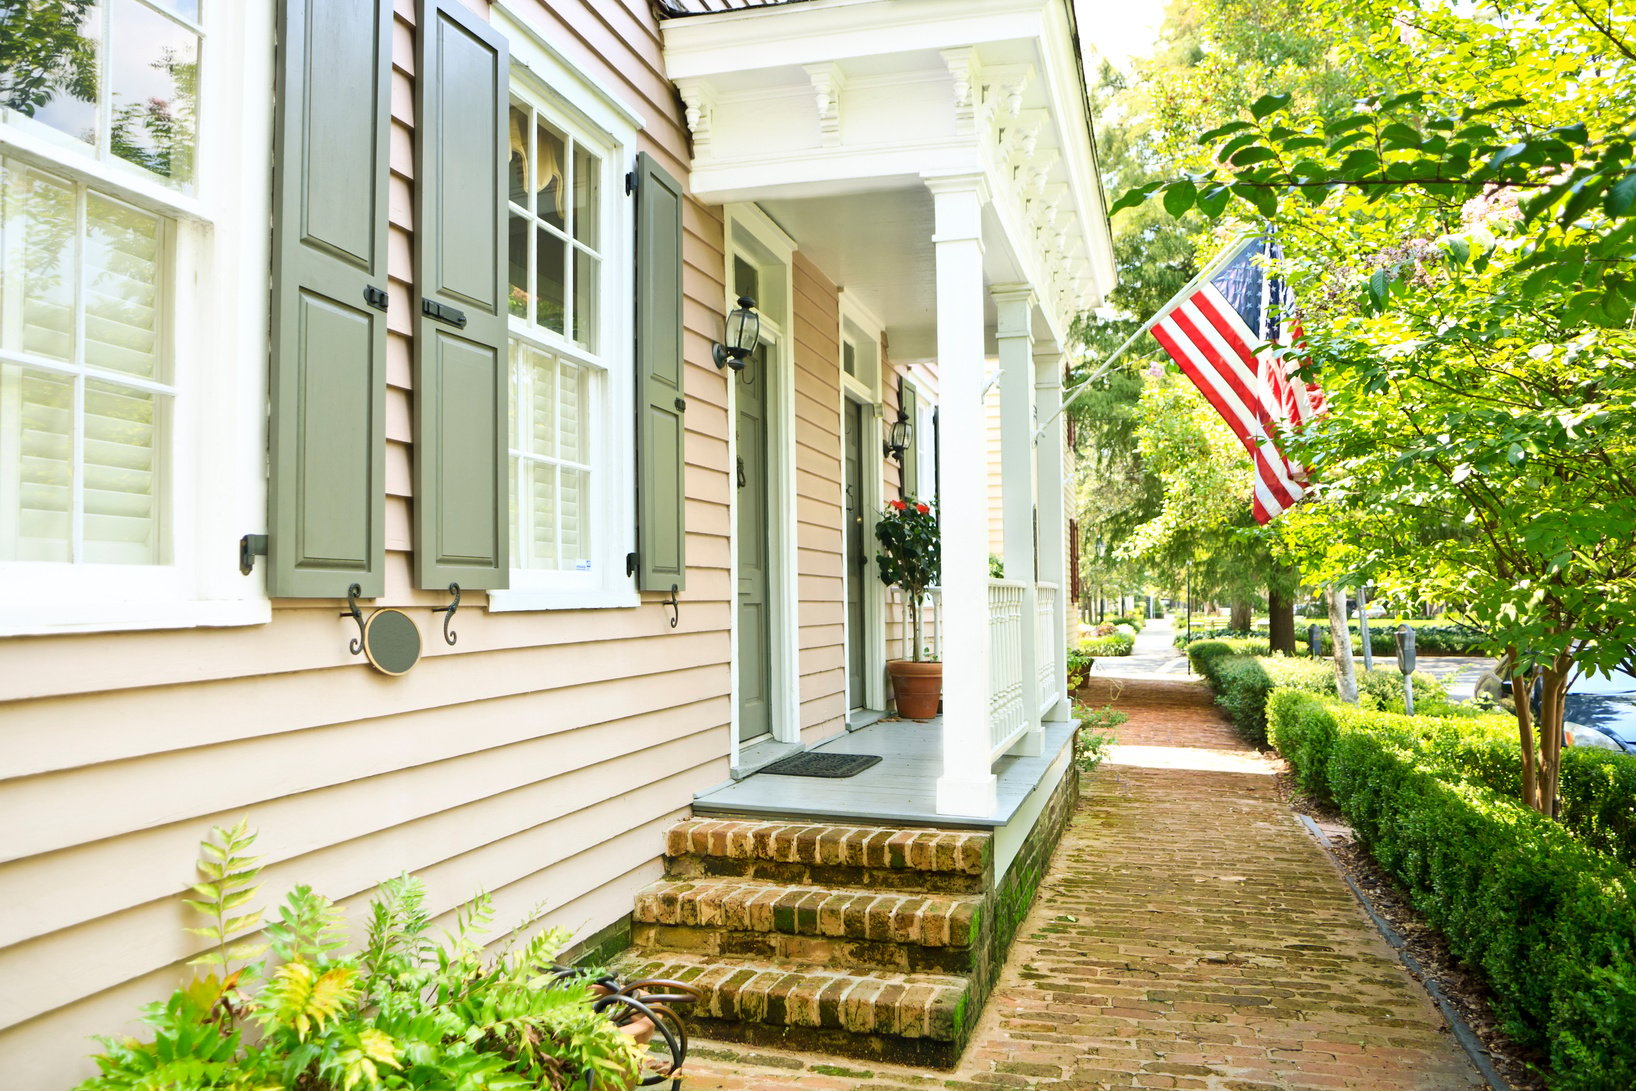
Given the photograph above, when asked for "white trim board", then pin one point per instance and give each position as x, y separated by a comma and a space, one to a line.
747, 229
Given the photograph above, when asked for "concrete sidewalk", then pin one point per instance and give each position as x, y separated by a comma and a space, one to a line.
1189, 935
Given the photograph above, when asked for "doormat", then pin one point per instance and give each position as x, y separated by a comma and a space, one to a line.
816, 763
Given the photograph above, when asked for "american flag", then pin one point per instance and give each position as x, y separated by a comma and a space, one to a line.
1212, 333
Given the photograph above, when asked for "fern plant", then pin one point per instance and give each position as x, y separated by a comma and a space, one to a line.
405, 1013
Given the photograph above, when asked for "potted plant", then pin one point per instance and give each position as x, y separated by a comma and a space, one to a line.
910, 558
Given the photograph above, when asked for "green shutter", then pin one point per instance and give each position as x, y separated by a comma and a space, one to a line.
909, 475
462, 521
661, 547
327, 440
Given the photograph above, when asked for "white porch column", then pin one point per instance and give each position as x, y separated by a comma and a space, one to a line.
1014, 333
1054, 512
967, 786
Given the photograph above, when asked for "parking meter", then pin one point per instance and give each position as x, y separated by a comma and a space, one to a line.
1405, 649
1405, 664
1315, 641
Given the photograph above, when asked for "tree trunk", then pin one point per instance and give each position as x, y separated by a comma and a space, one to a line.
1281, 622
1520, 685
1346, 678
1554, 687
1243, 613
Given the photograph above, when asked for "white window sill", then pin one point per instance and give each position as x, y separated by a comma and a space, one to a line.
517, 600
106, 617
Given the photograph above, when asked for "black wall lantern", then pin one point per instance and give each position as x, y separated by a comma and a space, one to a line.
901, 432
742, 334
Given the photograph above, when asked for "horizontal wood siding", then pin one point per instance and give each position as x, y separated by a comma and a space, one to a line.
540, 759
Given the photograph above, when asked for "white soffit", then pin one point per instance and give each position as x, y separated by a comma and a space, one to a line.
813, 100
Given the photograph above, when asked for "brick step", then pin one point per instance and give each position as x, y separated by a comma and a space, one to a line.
915, 1019
877, 858
906, 931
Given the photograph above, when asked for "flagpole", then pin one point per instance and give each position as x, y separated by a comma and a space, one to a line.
1210, 269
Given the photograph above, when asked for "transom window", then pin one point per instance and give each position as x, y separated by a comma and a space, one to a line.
120, 77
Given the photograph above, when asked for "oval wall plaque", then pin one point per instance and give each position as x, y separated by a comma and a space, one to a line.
391, 641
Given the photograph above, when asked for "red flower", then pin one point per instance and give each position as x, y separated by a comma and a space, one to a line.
898, 504
923, 509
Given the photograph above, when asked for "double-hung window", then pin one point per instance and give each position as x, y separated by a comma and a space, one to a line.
115, 342
570, 235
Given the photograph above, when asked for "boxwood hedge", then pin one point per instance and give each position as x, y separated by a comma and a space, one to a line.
1548, 920
1243, 675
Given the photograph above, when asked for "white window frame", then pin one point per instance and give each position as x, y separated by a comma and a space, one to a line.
215, 467
571, 100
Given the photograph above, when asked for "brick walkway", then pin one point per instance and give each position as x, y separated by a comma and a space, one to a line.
1189, 935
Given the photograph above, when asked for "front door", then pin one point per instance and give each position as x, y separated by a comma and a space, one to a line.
754, 552
857, 559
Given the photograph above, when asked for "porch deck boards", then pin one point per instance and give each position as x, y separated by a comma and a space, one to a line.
901, 789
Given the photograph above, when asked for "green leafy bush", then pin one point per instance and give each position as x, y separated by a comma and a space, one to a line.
1079, 667
1432, 637
1550, 922
1243, 676
408, 1012
1114, 643
1134, 620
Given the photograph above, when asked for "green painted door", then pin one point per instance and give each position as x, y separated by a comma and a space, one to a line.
754, 554
857, 559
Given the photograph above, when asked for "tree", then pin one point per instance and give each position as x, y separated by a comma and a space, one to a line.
43, 54
1467, 276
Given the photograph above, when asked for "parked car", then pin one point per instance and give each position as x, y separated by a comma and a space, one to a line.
1599, 710
1603, 707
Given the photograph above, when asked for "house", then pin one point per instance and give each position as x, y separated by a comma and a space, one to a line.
468, 375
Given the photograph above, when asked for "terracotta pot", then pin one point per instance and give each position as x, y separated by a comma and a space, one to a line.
918, 687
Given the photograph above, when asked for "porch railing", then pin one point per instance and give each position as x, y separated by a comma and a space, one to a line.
1047, 647
1007, 709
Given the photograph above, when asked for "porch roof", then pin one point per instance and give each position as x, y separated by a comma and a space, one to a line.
835, 114
900, 790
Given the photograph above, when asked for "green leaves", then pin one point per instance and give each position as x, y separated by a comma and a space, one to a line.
1179, 196
1267, 105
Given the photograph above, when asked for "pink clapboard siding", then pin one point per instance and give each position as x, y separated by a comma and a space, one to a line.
540, 759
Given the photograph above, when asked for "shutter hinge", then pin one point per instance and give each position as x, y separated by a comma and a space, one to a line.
251, 546
630, 183
630, 564
376, 297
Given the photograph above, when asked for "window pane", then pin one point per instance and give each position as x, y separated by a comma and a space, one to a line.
587, 196
746, 281
585, 298
517, 267
541, 437
575, 499
849, 358
48, 66
121, 475
153, 74
573, 410
543, 542
121, 294
518, 174
37, 455
187, 9
550, 256
550, 201
39, 216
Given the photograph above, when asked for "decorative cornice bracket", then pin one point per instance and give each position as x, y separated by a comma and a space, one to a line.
828, 81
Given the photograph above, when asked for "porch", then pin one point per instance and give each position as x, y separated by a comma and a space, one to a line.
899, 790
945, 184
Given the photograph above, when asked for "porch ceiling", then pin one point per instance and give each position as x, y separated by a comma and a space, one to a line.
831, 114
